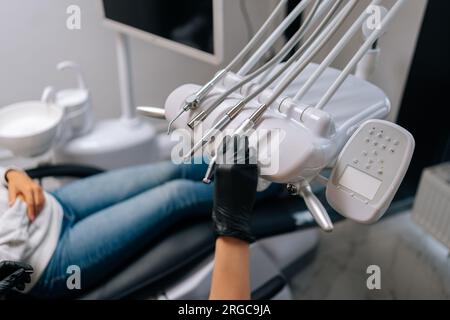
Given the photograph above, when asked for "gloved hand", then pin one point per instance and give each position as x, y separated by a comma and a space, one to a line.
14, 275
236, 179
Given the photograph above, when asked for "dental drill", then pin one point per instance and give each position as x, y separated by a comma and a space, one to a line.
304, 58
194, 101
315, 15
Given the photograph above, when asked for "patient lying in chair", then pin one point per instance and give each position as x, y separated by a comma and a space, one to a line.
95, 224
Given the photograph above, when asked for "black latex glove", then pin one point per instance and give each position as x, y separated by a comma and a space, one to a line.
236, 179
14, 275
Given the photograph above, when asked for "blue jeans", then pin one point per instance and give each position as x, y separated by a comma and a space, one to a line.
111, 217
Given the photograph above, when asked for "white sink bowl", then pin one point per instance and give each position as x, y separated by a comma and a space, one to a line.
29, 129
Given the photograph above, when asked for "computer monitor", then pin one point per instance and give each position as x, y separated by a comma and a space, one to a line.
191, 27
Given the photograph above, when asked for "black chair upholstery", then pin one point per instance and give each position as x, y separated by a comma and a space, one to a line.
63, 171
186, 245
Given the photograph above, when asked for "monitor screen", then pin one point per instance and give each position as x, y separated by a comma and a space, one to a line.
187, 22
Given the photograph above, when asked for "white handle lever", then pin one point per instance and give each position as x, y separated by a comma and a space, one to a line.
314, 205
65, 65
152, 112
48, 96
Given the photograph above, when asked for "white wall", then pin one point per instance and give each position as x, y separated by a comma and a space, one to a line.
34, 38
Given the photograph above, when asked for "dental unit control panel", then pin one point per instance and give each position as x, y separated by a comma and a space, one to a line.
369, 171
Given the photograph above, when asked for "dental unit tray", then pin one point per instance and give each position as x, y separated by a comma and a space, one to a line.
306, 112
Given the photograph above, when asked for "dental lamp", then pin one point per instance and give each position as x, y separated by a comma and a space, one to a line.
330, 118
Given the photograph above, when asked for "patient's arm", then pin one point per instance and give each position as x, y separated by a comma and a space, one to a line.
23, 187
231, 278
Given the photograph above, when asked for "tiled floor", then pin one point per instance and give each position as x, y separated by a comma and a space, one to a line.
413, 265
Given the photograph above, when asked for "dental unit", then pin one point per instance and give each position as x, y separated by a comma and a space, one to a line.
331, 118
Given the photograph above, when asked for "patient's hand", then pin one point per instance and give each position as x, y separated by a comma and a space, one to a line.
23, 187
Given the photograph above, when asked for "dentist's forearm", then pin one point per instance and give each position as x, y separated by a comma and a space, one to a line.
231, 275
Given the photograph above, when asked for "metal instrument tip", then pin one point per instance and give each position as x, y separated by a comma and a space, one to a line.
209, 172
169, 129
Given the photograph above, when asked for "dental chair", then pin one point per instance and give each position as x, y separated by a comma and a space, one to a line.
177, 265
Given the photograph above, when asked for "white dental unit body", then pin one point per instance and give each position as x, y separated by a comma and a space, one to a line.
315, 109
317, 136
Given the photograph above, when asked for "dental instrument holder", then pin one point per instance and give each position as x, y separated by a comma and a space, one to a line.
317, 135
313, 133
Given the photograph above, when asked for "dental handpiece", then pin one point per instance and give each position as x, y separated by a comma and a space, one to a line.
315, 14
194, 101
303, 62
220, 125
